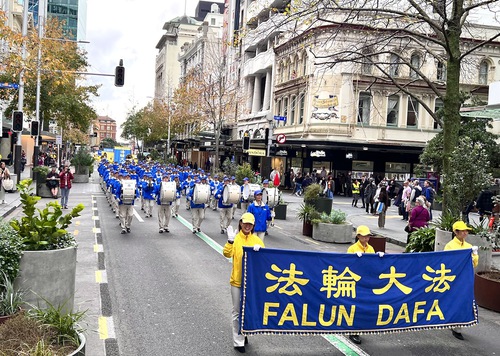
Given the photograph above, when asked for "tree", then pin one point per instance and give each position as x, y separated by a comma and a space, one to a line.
379, 34
61, 98
108, 142
207, 98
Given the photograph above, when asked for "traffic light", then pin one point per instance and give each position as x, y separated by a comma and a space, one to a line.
35, 128
17, 121
120, 74
246, 141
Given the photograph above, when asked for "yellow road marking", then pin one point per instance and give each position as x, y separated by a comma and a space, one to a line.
103, 328
98, 276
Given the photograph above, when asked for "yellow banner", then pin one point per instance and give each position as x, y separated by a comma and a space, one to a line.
256, 152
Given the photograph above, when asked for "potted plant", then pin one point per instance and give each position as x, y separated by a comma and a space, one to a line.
332, 227
82, 161
11, 250
43, 331
306, 214
41, 181
280, 209
444, 230
313, 196
422, 240
48, 263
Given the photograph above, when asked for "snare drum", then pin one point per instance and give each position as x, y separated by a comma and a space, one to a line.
128, 191
231, 194
270, 196
201, 194
249, 190
167, 192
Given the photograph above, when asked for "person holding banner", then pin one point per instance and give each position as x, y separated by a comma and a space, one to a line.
361, 246
461, 231
234, 248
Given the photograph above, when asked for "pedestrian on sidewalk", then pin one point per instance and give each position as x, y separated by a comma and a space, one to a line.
355, 193
383, 198
4, 174
234, 248
65, 179
419, 216
361, 246
461, 231
53, 182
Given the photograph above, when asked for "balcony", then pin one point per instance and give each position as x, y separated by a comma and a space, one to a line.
265, 30
259, 64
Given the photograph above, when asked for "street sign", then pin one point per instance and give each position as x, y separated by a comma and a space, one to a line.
280, 118
9, 86
58, 140
281, 138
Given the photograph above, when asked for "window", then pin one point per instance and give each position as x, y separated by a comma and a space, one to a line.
285, 110
367, 65
438, 105
278, 107
441, 71
392, 110
412, 112
415, 63
212, 22
293, 103
301, 108
394, 65
364, 106
483, 72
304, 63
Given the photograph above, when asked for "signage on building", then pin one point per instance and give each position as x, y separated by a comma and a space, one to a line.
348, 155
282, 153
256, 152
280, 118
325, 106
59, 140
318, 154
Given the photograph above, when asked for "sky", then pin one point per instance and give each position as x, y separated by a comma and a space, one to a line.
128, 30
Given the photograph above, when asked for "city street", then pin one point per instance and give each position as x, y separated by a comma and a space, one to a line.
168, 294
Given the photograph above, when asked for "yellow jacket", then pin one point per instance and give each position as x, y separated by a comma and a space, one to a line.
357, 247
355, 188
455, 244
235, 250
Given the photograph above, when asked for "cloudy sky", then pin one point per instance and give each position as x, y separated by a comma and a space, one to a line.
128, 30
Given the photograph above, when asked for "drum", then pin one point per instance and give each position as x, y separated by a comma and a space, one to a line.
167, 192
201, 194
128, 191
271, 196
231, 194
248, 190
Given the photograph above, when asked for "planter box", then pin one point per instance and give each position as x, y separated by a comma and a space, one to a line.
307, 228
48, 275
280, 212
442, 238
338, 233
43, 191
487, 292
495, 260
378, 243
81, 175
324, 205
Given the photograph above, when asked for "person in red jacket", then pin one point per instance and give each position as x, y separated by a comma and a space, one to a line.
65, 178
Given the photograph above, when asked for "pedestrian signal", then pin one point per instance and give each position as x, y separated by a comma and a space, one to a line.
17, 121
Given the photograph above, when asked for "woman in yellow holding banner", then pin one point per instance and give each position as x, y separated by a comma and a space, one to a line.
234, 248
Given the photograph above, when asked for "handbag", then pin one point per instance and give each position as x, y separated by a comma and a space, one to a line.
407, 228
7, 184
380, 207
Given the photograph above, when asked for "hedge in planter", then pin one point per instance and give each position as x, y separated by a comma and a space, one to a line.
332, 227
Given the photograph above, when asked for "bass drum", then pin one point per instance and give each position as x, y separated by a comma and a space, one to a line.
167, 192
201, 194
231, 194
128, 191
271, 196
249, 190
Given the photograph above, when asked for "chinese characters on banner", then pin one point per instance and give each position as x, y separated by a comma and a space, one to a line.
308, 292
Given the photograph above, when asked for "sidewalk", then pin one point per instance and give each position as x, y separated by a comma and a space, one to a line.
12, 200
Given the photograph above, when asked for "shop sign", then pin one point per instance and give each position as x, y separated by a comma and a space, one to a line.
256, 152
282, 153
318, 154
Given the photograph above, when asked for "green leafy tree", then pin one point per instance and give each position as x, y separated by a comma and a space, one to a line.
108, 142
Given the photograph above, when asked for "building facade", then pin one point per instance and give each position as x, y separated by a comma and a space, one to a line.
104, 127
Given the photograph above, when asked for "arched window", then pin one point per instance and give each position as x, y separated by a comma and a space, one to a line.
415, 62
293, 104
392, 110
394, 65
367, 61
295, 71
302, 104
304, 63
484, 68
364, 107
441, 71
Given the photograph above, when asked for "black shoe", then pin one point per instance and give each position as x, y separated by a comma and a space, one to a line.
240, 349
167, 230
128, 229
355, 338
194, 231
124, 232
246, 340
459, 336
199, 230
222, 231
161, 231
266, 233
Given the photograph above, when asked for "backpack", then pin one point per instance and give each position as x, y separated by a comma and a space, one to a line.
415, 196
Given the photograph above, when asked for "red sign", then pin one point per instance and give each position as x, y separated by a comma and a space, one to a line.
281, 138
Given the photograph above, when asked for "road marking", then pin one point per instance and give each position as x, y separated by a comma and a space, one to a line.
136, 214
106, 328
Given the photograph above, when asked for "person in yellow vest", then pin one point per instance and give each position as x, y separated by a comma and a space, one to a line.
355, 193
361, 246
245, 236
461, 231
